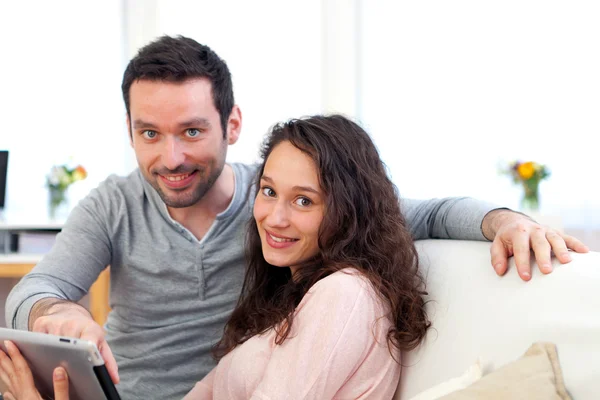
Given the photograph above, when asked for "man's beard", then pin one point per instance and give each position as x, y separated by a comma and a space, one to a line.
185, 198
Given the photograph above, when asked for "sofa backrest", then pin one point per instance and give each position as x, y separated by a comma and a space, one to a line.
478, 315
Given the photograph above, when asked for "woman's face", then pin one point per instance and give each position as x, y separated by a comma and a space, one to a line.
289, 207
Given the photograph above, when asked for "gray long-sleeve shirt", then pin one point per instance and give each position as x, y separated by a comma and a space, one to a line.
171, 294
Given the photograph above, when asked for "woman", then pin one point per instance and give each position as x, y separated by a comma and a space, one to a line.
332, 293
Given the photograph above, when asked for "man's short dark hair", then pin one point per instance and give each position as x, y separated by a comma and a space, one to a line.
177, 59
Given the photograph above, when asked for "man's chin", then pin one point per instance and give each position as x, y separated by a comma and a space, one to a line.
179, 201
172, 204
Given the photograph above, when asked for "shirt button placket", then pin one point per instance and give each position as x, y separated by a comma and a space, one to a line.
201, 277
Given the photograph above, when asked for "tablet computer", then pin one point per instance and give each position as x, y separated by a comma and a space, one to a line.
88, 376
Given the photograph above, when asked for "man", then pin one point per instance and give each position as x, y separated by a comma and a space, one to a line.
173, 230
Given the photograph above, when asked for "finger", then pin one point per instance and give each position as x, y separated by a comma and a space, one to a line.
109, 361
48, 325
40, 325
522, 253
72, 329
575, 244
22, 370
8, 396
541, 249
6, 370
7, 365
60, 380
94, 333
499, 256
4, 377
559, 246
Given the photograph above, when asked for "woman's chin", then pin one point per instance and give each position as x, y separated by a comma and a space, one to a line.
277, 262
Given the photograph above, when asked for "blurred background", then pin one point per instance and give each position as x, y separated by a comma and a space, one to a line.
451, 91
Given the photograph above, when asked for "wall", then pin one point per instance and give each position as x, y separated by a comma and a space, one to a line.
61, 70
452, 90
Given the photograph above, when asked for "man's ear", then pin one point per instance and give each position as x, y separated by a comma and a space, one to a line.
129, 130
234, 125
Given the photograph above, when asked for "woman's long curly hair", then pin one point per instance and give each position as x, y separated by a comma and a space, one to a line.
362, 228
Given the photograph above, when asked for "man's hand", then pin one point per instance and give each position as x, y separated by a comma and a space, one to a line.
515, 234
65, 318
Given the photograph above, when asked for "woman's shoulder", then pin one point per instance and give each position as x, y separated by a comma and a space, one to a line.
345, 285
344, 298
348, 277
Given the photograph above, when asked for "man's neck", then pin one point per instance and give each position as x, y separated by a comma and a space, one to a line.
199, 217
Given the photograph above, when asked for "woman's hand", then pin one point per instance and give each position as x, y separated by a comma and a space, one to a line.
16, 375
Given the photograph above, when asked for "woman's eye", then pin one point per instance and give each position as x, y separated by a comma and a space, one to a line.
193, 132
303, 201
267, 191
149, 134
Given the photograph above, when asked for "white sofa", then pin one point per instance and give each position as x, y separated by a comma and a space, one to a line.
478, 315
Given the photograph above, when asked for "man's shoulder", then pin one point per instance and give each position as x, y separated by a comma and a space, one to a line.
131, 184
115, 190
246, 172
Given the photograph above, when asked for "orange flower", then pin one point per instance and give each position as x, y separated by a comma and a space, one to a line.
526, 170
79, 173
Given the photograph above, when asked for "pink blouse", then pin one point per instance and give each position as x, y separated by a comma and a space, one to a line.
337, 349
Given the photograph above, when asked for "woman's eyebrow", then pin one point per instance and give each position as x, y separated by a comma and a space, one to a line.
297, 187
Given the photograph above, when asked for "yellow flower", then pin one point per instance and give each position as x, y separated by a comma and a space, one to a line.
526, 170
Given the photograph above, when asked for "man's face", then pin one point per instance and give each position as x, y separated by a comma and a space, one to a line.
177, 137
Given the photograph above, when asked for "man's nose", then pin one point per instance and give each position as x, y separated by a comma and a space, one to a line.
173, 153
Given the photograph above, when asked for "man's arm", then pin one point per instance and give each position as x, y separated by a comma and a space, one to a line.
447, 218
45, 299
81, 251
512, 233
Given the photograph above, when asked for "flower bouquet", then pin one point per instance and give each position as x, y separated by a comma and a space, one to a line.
528, 175
58, 181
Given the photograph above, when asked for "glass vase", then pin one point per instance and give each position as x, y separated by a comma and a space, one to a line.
57, 203
530, 202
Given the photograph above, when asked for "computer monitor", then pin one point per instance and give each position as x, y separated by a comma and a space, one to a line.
3, 173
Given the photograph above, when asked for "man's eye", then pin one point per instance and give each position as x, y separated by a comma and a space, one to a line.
149, 134
303, 201
267, 191
193, 132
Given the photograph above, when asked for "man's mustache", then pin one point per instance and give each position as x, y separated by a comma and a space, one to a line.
180, 170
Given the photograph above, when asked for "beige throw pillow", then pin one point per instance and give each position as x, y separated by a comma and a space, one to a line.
535, 376
471, 375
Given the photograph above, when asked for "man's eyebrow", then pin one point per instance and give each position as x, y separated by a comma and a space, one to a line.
140, 124
298, 188
200, 122
194, 122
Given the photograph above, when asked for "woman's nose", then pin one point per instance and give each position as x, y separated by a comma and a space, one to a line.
279, 215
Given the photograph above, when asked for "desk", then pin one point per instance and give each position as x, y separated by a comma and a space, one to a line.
17, 265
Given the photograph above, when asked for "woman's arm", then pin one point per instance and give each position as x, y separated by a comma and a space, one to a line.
203, 390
